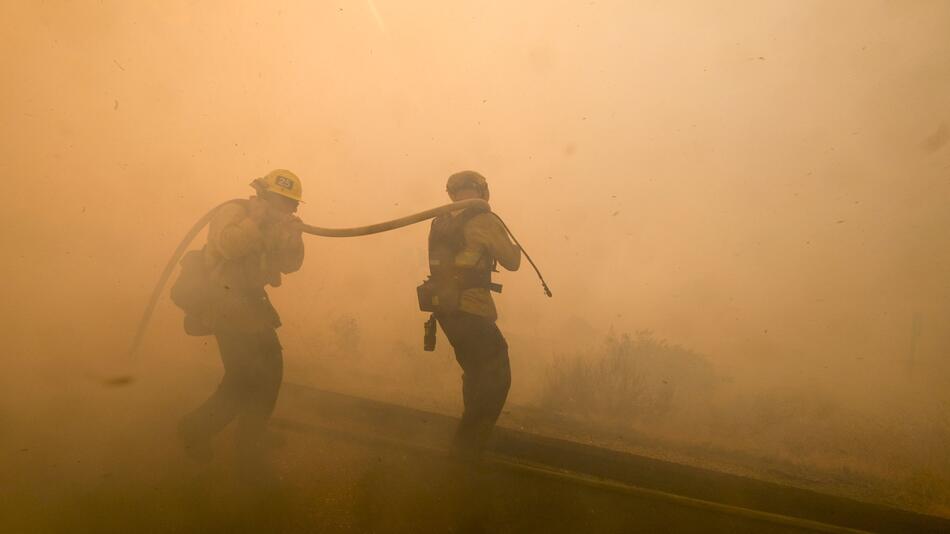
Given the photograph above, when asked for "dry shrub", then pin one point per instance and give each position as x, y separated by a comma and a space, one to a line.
630, 378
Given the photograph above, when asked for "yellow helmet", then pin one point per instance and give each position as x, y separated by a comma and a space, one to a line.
282, 182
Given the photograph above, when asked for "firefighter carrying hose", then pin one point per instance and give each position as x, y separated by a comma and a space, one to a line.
464, 248
251, 244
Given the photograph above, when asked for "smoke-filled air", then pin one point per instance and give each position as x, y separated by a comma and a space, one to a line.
740, 209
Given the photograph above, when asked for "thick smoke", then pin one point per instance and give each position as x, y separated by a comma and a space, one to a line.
763, 184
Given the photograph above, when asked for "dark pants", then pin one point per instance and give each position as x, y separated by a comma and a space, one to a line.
482, 352
253, 371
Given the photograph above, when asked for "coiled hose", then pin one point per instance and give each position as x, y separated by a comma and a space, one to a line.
313, 230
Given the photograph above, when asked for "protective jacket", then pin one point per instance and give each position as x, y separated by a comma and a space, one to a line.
467, 245
242, 258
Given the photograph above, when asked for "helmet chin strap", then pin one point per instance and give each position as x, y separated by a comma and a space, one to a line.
482, 188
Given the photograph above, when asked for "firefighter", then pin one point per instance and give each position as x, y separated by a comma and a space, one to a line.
464, 248
251, 244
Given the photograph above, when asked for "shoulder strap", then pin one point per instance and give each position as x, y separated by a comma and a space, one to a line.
469, 214
451, 226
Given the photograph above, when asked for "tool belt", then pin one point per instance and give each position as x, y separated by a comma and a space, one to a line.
443, 293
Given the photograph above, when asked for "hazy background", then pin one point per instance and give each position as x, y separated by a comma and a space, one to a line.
764, 183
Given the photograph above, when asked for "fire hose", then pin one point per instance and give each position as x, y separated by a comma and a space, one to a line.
312, 230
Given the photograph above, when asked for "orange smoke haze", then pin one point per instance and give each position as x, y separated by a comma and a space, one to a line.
762, 182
